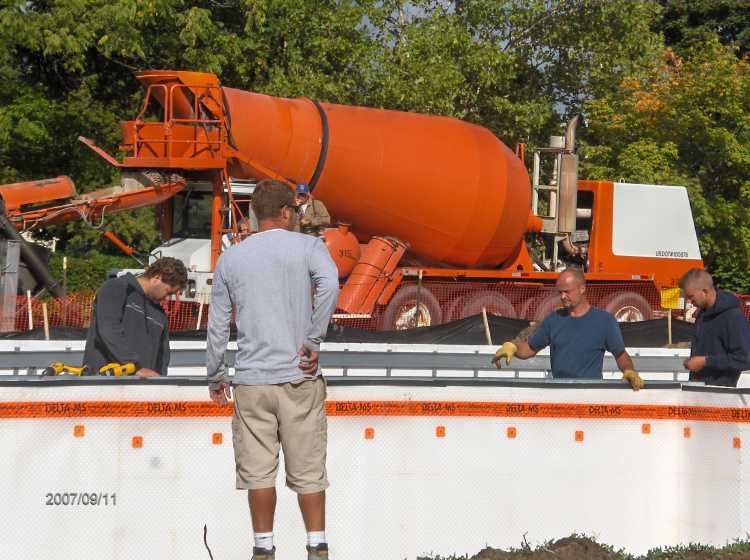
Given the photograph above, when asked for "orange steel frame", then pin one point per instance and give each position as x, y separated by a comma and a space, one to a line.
177, 142
187, 144
181, 144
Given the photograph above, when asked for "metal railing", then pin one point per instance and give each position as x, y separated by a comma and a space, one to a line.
30, 362
357, 367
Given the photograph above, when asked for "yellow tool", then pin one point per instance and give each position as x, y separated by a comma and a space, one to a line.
117, 370
59, 368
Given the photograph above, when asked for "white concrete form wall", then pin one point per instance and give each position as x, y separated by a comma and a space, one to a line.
635, 470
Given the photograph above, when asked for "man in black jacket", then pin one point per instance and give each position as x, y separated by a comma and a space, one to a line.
128, 324
720, 350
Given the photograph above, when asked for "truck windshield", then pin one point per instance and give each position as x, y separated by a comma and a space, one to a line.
192, 215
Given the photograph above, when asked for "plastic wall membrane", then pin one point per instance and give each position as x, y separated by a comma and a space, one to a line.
136, 471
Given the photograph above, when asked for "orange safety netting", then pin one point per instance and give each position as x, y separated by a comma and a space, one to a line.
414, 304
440, 302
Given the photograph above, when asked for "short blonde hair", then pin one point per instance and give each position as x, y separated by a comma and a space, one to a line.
697, 277
576, 273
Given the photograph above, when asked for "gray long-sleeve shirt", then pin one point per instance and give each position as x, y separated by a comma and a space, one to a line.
283, 287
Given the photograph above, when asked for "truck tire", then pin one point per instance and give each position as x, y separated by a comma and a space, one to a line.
454, 308
628, 307
536, 309
400, 313
495, 303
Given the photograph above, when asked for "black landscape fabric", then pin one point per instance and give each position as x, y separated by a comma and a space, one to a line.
644, 334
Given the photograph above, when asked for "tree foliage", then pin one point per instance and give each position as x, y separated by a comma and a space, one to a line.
689, 23
518, 68
687, 124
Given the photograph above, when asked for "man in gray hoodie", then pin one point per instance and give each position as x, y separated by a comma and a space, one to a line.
283, 288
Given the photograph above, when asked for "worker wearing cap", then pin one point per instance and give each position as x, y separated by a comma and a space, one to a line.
313, 214
578, 334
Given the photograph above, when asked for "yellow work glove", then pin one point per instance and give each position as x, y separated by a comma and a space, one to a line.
507, 351
632, 377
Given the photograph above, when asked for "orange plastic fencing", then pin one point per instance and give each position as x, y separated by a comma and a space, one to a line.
74, 310
414, 304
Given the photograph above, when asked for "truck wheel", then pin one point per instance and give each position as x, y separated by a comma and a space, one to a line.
629, 307
690, 312
527, 307
536, 309
401, 312
454, 308
496, 304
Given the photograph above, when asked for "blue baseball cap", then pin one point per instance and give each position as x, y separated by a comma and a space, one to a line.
303, 188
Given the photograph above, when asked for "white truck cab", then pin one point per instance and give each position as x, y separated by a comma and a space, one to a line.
191, 234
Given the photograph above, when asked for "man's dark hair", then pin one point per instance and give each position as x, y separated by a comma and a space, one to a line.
171, 271
270, 197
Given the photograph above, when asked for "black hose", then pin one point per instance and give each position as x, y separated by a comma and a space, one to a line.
32, 260
323, 147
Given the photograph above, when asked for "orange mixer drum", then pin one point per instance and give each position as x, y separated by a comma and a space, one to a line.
451, 190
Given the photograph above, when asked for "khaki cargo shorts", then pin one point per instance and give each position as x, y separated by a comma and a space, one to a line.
291, 416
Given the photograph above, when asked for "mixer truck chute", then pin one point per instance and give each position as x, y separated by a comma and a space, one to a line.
32, 205
438, 213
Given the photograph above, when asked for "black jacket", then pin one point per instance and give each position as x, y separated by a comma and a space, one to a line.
722, 334
126, 326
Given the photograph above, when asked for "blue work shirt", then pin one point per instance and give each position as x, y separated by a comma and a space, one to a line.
577, 344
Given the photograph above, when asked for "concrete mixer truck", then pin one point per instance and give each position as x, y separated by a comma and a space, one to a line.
437, 218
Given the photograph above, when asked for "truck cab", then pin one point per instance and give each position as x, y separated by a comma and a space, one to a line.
185, 225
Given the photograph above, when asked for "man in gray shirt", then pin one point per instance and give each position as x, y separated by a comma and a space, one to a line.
282, 287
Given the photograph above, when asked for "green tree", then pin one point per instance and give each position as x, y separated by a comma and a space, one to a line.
519, 68
687, 23
688, 124
66, 69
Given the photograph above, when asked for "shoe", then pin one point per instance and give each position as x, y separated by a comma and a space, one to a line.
319, 552
264, 553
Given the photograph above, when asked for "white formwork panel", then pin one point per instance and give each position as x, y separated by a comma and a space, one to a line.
409, 489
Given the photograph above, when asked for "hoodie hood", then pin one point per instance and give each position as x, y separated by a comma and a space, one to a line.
133, 281
724, 302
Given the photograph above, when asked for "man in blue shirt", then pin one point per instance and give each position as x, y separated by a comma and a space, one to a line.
577, 334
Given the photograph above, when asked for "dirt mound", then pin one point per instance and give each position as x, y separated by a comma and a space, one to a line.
569, 548
578, 547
